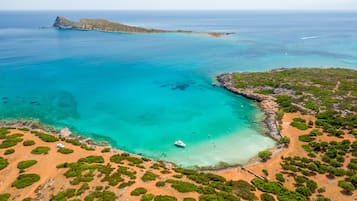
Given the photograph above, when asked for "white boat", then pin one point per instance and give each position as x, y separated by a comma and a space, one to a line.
179, 143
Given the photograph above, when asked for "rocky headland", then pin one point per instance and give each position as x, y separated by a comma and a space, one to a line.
265, 102
108, 26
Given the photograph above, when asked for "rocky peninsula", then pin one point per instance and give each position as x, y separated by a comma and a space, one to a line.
266, 103
108, 26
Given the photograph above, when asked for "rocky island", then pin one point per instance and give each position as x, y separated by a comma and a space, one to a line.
108, 26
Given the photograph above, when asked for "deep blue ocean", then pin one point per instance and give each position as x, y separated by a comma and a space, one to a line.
141, 92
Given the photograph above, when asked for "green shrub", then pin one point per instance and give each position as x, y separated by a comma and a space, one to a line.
315, 132
118, 158
299, 124
138, 191
305, 138
74, 142
321, 190
312, 185
284, 102
279, 177
92, 159
304, 191
106, 150
126, 184
82, 189
160, 184
40, 150
28, 143
149, 176
63, 195
10, 142
147, 197
65, 151
26, 164
266, 197
4, 197
9, 151
104, 196
346, 186
182, 187
178, 176
3, 133
3, 163
45, 137
243, 189
165, 198
322, 199
265, 155
189, 199
27, 199
221, 196
284, 140
25, 180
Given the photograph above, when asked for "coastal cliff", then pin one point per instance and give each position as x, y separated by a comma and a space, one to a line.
266, 103
108, 26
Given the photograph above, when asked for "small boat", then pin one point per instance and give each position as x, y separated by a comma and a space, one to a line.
179, 143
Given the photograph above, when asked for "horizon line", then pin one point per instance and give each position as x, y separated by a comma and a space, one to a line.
240, 9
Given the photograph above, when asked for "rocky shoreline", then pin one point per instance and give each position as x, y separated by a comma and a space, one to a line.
266, 103
34, 125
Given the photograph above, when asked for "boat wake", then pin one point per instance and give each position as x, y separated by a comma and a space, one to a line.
309, 37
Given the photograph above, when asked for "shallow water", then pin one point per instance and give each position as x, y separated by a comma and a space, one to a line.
141, 92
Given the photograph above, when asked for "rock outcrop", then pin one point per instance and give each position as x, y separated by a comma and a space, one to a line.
266, 103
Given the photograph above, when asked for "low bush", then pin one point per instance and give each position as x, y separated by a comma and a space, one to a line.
3, 163
189, 199
65, 151
106, 150
279, 177
147, 197
165, 198
299, 124
4, 197
105, 195
346, 186
25, 180
126, 184
266, 197
40, 150
149, 176
305, 138
182, 187
63, 195
28, 143
45, 137
284, 140
244, 190
7, 143
138, 191
26, 164
160, 183
92, 159
265, 155
9, 151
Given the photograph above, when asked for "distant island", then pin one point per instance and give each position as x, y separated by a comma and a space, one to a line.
108, 26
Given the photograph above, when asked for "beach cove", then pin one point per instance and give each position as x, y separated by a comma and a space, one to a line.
157, 88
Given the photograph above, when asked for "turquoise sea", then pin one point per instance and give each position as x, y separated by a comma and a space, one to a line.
141, 92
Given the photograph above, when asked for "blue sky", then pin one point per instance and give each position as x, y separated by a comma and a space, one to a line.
175, 4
